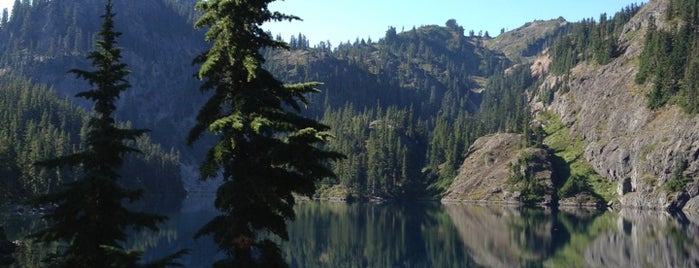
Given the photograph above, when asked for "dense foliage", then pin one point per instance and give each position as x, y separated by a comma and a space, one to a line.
590, 40
405, 109
37, 124
266, 150
89, 217
43, 39
670, 58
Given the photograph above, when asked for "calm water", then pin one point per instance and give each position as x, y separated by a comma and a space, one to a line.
435, 235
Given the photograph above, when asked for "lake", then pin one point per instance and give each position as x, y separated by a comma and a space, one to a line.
434, 235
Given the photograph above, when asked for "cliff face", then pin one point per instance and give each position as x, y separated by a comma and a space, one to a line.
637, 149
638, 152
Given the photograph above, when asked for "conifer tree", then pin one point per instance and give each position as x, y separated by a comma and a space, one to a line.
5, 17
6, 250
266, 149
89, 217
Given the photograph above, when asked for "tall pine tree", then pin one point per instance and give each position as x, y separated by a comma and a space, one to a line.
89, 217
266, 149
7, 248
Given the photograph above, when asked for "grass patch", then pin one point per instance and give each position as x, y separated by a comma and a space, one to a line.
570, 149
676, 184
650, 180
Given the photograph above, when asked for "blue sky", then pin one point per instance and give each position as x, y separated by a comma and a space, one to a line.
344, 20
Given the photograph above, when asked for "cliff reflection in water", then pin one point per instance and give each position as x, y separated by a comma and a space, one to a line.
516, 237
435, 235
455, 235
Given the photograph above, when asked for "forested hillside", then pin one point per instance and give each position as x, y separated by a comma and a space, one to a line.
41, 40
404, 109
38, 125
44, 39
414, 98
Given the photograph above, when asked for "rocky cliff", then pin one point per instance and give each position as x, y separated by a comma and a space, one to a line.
645, 158
636, 149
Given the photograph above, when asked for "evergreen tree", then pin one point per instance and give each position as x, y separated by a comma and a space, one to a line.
5, 18
89, 216
6, 250
266, 148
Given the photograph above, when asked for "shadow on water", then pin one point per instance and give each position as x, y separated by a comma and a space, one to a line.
431, 235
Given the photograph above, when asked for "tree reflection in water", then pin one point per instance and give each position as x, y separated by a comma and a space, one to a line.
435, 235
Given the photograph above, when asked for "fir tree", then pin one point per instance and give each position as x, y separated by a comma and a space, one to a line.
5, 18
7, 248
89, 217
266, 149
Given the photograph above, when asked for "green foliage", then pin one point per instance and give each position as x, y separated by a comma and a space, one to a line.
573, 185
590, 40
573, 170
424, 81
159, 44
676, 184
522, 178
37, 125
678, 180
266, 149
669, 59
385, 152
89, 217
7, 248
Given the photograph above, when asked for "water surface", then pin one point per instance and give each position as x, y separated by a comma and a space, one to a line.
436, 235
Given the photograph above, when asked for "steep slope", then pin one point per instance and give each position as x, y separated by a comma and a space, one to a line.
498, 168
38, 125
642, 152
524, 43
406, 108
46, 39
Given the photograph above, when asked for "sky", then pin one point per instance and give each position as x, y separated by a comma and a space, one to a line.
346, 20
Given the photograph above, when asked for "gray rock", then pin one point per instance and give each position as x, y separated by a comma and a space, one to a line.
628, 144
484, 174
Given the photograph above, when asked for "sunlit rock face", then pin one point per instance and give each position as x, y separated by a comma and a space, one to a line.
484, 175
635, 148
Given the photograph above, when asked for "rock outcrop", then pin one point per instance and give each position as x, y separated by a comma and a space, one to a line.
640, 151
484, 175
637, 149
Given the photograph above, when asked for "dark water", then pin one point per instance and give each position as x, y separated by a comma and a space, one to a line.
435, 235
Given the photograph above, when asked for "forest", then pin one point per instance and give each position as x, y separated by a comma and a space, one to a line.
371, 120
669, 59
38, 124
404, 109
417, 100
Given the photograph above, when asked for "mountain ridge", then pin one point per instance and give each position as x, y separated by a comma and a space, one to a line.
406, 108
